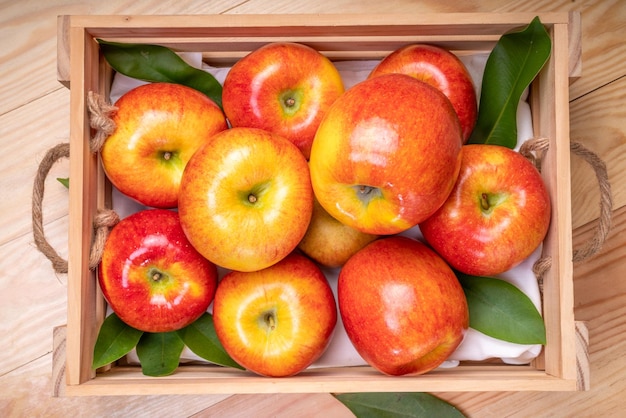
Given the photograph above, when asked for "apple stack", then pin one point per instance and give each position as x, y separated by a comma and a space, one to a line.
295, 174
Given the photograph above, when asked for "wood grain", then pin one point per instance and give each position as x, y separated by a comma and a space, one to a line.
34, 298
28, 38
603, 50
317, 405
34, 115
31, 388
597, 122
24, 145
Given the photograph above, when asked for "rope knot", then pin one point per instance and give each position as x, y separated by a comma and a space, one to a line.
534, 150
100, 112
104, 220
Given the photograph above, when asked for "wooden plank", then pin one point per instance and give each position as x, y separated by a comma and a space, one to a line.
551, 120
63, 50
24, 145
603, 52
598, 124
82, 289
33, 298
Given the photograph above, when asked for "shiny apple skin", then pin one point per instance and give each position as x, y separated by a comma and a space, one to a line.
140, 245
295, 293
329, 242
402, 306
488, 242
393, 134
257, 86
216, 213
442, 69
151, 121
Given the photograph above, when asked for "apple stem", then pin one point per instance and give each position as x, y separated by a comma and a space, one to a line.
269, 319
290, 102
252, 198
167, 155
156, 276
484, 201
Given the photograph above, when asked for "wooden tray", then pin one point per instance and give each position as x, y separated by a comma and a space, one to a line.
225, 38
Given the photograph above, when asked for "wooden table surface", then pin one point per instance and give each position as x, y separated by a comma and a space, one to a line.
34, 116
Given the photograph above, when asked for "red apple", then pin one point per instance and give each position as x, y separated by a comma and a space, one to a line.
276, 321
386, 155
402, 306
151, 276
329, 242
246, 199
158, 128
440, 68
496, 216
282, 87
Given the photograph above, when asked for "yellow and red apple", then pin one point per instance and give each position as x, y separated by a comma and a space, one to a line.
246, 198
496, 216
441, 68
276, 321
329, 242
158, 128
151, 276
402, 306
282, 87
387, 154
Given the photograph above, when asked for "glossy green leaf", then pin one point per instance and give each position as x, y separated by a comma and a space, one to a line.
64, 181
115, 340
159, 353
156, 63
388, 405
200, 337
502, 311
511, 66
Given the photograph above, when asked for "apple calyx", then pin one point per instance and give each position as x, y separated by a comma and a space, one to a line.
367, 193
488, 201
157, 276
268, 320
169, 157
290, 100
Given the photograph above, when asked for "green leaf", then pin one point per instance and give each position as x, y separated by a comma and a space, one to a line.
513, 64
502, 311
200, 337
159, 353
389, 405
156, 63
115, 340
64, 181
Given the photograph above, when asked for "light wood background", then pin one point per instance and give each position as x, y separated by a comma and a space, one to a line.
34, 115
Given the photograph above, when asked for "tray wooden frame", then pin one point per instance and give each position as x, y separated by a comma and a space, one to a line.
223, 39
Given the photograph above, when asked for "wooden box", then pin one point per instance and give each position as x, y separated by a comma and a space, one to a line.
223, 39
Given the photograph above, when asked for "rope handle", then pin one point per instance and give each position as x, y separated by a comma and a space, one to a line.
533, 150
100, 120
104, 220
